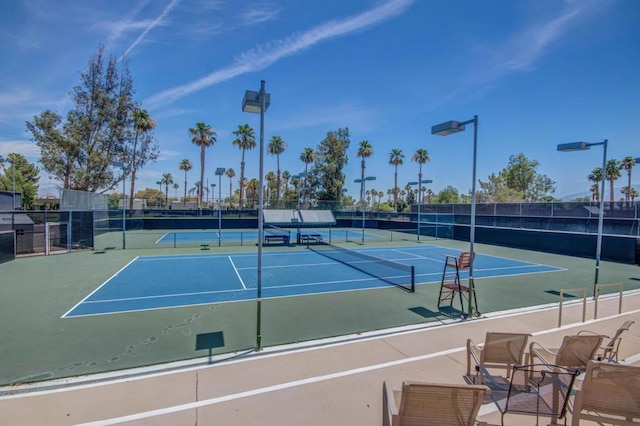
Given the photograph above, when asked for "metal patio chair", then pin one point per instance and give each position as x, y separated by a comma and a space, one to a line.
610, 349
610, 394
500, 350
574, 353
431, 404
537, 390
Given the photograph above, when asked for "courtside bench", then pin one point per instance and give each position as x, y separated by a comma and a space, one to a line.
311, 238
284, 239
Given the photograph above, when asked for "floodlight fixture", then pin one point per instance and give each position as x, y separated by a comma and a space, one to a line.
583, 146
448, 128
258, 102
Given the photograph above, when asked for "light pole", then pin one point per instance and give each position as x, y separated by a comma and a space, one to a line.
419, 183
219, 172
125, 168
258, 102
444, 129
583, 146
364, 205
159, 183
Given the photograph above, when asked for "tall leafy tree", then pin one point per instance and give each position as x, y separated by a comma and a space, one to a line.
25, 176
245, 139
97, 131
612, 173
276, 147
331, 157
204, 136
365, 150
185, 166
521, 174
449, 195
421, 156
628, 163
230, 173
144, 148
596, 177
396, 158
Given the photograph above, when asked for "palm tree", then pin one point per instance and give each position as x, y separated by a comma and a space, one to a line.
142, 123
175, 187
245, 139
633, 194
308, 156
396, 158
612, 173
596, 177
193, 192
186, 166
365, 150
204, 136
252, 192
421, 156
628, 163
167, 180
230, 173
276, 147
429, 195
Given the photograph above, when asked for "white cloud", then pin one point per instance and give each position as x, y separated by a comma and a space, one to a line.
261, 57
27, 148
255, 16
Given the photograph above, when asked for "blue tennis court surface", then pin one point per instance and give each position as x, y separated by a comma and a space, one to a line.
155, 282
235, 236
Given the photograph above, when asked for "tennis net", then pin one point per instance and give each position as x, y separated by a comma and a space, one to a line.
396, 273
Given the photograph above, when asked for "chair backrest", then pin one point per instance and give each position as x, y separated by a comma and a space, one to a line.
611, 348
464, 261
577, 351
440, 404
504, 348
608, 389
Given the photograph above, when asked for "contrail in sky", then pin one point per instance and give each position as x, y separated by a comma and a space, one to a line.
155, 22
261, 57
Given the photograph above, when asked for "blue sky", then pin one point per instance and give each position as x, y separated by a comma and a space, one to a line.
537, 73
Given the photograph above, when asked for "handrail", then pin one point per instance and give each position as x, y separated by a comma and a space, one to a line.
598, 286
584, 303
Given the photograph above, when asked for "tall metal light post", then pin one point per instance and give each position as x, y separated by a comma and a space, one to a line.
364, 205
219, 172
444, 129
159, 183
419, 183
583, 146
258, 102
125, 168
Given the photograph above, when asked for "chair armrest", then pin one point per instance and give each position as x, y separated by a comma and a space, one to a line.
473, 351
389, 409
536, 350
592, 333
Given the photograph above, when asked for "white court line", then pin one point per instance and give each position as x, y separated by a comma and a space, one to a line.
99, 287
166, 233
160, 296
237, 273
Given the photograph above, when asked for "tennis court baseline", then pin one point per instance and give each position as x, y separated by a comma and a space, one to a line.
156, 282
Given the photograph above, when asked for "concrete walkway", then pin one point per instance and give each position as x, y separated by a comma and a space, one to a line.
330, 383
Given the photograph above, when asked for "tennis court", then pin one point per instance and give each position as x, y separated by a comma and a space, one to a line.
155, 282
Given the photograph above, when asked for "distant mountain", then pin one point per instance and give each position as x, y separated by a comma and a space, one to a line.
617, 190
